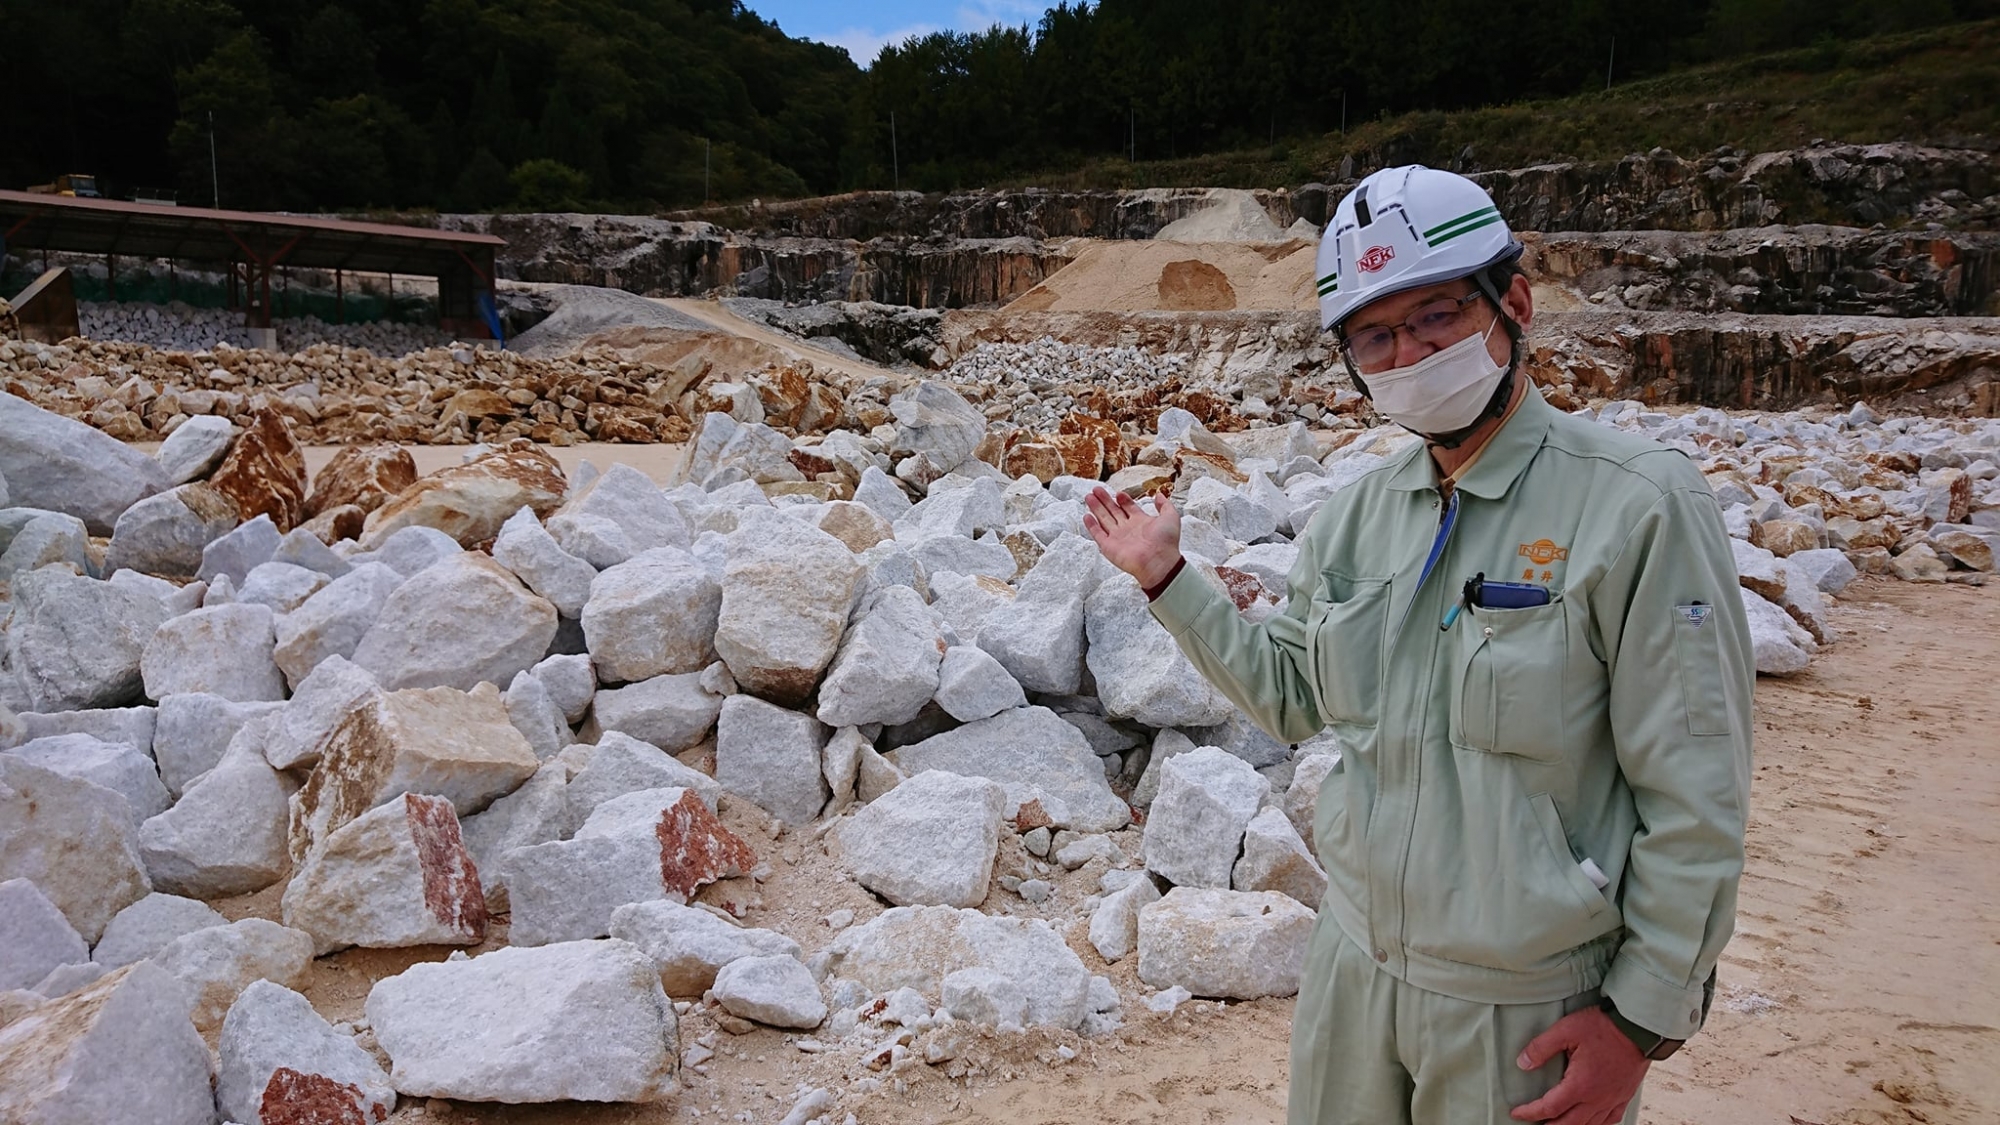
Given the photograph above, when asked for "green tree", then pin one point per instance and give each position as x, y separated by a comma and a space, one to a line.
547, 185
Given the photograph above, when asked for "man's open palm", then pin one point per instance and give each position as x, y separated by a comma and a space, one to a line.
1142, 545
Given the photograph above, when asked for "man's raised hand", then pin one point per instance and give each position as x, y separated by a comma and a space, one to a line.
1143, 546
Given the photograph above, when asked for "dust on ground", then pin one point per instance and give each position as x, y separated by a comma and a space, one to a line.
1860, 988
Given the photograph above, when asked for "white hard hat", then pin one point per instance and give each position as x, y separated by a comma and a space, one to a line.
1404, 228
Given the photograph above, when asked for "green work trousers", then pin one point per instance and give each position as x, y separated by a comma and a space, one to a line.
1368, 1049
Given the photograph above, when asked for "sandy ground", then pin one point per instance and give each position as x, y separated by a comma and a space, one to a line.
1181, 276
657, 461
1863, 985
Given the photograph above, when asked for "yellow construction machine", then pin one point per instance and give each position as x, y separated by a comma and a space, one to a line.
74, 183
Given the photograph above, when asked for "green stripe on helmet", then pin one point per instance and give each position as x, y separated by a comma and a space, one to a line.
1465, 218
1328, 284
1486, 222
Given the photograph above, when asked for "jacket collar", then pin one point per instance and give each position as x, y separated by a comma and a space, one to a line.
1498, 465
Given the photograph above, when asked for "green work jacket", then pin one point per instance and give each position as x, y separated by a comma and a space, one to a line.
1481, 764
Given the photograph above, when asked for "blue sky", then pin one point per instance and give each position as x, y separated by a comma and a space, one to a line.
863, 26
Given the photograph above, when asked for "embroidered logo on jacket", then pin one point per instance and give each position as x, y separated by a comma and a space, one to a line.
1542, 552
1693, 615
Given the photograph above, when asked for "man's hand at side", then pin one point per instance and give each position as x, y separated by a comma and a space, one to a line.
1600, 1078
1143, 546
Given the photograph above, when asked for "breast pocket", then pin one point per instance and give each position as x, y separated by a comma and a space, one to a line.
1347, 630
1509, 696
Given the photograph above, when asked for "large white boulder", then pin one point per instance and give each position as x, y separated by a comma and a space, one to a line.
458, 623
75, 642
145, 927
526, 548
1275, 858
1140, 672
691, 945
194, 449
1194, 830
930, 841
771, 756
887, 667
73, 839
218, 963
281, 1063
121, 1049
786, 592
654, 615
226, 835
672, 712
1236, 945
166, 533
317, 705
629, 499
396, 875
776, 990
333, 621
63, 465
919, 946
1034, 755
579, 1021
226, 650
973, 686
35, 938
536, 813
1780, 645
116, 766
1114, 928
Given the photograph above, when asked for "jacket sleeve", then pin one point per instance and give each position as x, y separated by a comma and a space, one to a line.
1677, 645
1260, 666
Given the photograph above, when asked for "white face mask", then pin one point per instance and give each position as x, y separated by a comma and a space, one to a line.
1442, 392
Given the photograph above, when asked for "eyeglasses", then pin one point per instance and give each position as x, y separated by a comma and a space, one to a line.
1438, 323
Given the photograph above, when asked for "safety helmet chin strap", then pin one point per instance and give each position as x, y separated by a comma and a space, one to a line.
1502, 394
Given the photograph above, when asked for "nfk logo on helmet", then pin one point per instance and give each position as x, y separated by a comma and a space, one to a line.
1403, 229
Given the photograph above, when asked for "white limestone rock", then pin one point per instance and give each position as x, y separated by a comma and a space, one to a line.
1236, 945
1780, 645
437, 741
119, 1050
1034, 755
240, 551
65, 979
671, 712
571, 682
917, 947
775, 990
1301, 801
536, 716
333, 621
1275, 858
193, 730
1194, 831
280, 1063
51, 539
64, 465
75, 643
35, 938
283, 587
73, 840
973, 686
771, 757
936, 428
1235, 515
982, 996
132, 726
1140, 672
115, 766
195, 448
929, 842
226, 835
527, 549
628, 498
652, 616
887, 667
319, 702
218, 963
461, 622
144, 928
621, 764
1241, 737
579, 1021
226, 651
166, 534
786, 592
397, 875
536, 813
1038, 640
874, 775
1114, 928
880, 493
691, 945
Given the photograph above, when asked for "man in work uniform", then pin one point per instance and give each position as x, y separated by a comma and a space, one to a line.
1528, 638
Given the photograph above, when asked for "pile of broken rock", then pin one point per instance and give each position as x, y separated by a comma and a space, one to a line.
557, 719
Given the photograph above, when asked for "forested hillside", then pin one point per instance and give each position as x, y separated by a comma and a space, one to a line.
645, 104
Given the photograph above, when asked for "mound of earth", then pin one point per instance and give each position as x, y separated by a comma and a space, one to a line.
1178, 276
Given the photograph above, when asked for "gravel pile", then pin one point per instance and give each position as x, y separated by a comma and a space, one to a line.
183, 328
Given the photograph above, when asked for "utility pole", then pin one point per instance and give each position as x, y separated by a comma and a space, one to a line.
706, 147
1132, 134
1343, 109
895, 161
214, 181
1609, 59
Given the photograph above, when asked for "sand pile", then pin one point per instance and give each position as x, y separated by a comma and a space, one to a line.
1178, 276
1234, 216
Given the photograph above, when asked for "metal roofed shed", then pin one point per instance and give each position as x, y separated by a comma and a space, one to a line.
256, 243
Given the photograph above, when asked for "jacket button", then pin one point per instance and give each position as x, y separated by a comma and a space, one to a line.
1382, 955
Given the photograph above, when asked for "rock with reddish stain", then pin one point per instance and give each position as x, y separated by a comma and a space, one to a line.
366, 476
1244, 590
280, 1063
580, 1021
265, 472
395, 876
470, 502
121, 1049
642, 847
438, 741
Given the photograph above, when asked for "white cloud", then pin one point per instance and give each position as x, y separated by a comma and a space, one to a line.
978, 15
864, 43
